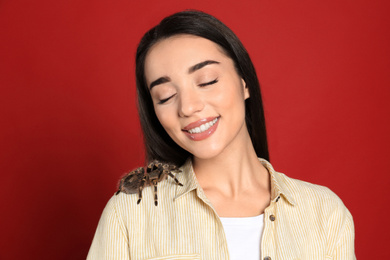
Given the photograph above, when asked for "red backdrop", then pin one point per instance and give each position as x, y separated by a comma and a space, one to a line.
69, 126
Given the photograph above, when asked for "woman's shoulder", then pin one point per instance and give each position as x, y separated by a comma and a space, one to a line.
299, 191
149, 200
318, 209
148, 184
306, 190
316, 197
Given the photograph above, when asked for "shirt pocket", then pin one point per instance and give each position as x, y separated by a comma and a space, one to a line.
179, 257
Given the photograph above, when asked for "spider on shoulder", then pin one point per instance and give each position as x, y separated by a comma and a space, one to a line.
136, 180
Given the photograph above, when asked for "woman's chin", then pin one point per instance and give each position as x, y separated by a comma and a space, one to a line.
206, 154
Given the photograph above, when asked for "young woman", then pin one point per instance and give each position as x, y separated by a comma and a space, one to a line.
200, 108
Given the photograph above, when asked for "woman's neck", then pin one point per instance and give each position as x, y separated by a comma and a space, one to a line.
233, 171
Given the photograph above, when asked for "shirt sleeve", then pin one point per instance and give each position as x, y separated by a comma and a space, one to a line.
345, 248
111, 239
341, 234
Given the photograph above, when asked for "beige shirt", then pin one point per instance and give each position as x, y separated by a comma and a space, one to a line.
303, 221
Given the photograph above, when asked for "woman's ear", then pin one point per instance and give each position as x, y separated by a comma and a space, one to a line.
245, 88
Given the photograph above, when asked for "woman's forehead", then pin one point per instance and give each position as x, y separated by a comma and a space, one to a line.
179, 52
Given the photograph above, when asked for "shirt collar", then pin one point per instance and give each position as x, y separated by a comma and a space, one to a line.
187, 178
278, 187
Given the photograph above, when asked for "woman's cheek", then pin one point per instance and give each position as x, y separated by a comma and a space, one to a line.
159, 114
224, 98
165, 116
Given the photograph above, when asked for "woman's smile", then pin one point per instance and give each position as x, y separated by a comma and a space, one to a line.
201, 129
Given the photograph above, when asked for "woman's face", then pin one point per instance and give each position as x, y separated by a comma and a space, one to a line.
197, 95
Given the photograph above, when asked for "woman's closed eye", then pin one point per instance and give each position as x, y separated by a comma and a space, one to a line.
208, 83
162, 101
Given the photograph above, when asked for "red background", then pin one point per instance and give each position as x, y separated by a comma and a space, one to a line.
69, 126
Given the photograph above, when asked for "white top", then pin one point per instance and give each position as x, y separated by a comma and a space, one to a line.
243, 236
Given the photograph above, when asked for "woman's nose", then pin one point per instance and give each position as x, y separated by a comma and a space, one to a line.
190, 103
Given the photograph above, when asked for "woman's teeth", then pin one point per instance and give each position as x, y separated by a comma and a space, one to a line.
202, 128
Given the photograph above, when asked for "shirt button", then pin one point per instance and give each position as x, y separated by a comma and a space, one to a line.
267, 258
272, 218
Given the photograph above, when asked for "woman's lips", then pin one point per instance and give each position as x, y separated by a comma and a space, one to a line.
201, 129
199, 123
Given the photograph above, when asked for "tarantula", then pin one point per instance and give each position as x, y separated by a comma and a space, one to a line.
137, 179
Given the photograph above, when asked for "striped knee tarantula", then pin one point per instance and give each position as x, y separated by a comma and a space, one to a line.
136, 180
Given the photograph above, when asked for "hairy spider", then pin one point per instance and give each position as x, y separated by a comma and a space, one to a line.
136, 180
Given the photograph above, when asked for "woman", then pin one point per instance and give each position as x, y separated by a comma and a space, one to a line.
200, 108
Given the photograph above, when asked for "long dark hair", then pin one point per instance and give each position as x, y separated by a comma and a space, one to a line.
158, 144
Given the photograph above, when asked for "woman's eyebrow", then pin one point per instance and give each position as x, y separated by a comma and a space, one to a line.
159, 81
200, 65
192, 69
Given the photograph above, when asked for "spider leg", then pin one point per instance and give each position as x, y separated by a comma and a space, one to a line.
155, 192
119, 188
149, 167
141, 186
174, 177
